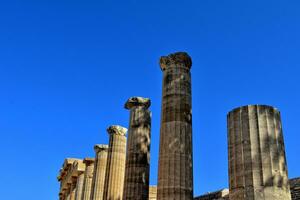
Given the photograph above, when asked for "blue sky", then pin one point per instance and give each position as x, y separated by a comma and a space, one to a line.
67, 68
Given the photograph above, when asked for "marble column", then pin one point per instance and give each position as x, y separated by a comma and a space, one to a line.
175, 170
256, 152
99, 171
115, 170
88, 176
79, 186
136, 184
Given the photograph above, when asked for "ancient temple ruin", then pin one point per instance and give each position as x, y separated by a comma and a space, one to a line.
120, 170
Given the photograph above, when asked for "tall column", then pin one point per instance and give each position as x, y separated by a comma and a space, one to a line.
79, 186
99, 171
73, 188
68, 192
175, 170
115, 170
88, 176
256, 152
136, 184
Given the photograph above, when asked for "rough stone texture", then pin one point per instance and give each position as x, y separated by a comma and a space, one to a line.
175, 174
218, 195
152, 192
115, 170
295, 188
257, 163
79, 187
88, 177
136, 184
68, 178
99, 172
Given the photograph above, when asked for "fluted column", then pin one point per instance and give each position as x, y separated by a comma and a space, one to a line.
88, 176
136, 184
79, 186
68, 192
99, 171
175, 173
115, 170
256, 152
73, 188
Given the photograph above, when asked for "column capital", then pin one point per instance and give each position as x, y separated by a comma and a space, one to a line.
175, 59
88, 161
137, 101
116, 129
100, 147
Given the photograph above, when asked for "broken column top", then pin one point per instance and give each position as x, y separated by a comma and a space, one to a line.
116, 129
100, 147
175, 59
262, 106
137, 101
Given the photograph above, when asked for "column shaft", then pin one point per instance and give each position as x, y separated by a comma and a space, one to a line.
136, 185
257, 163
79, 187
115, 171
99, 172
88, 176
175, 173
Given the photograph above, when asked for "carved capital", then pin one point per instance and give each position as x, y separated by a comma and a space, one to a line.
177, 58
118, 130
100, 147
137, 101
88, 161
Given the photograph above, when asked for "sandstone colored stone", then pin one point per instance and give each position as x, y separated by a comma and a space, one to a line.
99, 172
115, 169
218, 195
152, 192
68, 177
257, 162
88, 177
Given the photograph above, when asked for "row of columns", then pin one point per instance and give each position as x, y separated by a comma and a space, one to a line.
104, 177
257, 162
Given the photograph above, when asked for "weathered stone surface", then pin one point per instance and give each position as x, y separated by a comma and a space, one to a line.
218, 195
257, 163
137, 101
152, 192
115, 169
79, 187
117, 130
88, 177
173, 60
175, 174
136, 185
68, 178
295, 188
99, 171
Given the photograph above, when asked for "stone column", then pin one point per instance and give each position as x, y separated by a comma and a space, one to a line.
68, 192
136, 184
79, 186
88, 176
115, 170
73, 188
256, 152
175, 170
99, 171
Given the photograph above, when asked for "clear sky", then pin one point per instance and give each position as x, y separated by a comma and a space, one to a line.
67, 68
